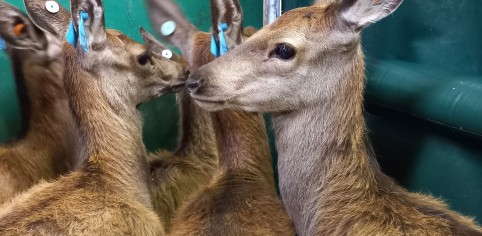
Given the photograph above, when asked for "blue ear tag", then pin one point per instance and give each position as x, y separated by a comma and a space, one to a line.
3, 46
214, 47
168, 28
222, 48
223, 45
72, 36
82, 36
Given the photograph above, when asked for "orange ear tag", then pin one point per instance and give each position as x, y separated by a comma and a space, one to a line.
19, 29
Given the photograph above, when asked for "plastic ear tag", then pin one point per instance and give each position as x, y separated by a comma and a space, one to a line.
167, 53
214, 47
168, 28
19, 29
222, 48
223, 44
84, 43
52, 6
3, 46
72, 36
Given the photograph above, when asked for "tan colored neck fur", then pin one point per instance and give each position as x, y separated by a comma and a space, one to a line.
112, 136
51, 125
331, 183
49, 146
331, 151
243, 144
176, 176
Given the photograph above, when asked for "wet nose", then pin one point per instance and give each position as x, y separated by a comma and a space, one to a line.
193, 85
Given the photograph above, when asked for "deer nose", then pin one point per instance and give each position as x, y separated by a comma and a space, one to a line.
185, 74
193, 85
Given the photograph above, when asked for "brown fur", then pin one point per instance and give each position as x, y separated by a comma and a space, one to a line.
330, 181
106, 196
176, 175
48, 147
241, 199
109, 194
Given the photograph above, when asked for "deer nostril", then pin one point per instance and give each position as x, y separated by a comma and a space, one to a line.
192, 85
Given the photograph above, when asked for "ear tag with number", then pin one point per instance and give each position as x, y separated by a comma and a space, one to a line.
167, 53
52, 6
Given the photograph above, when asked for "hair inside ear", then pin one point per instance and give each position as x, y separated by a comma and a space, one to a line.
359, 14
18, 31
91, 32
54, 23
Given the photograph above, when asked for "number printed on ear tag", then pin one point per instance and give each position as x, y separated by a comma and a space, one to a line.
52, 6
167, 54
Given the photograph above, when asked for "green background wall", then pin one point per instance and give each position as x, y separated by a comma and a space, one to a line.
421, 152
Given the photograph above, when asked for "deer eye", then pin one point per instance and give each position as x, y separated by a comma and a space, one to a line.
143, 59
284, 51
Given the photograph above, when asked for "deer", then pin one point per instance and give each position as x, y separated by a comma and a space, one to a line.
49, 143
308, 70
107, 75
241, 199
175, 176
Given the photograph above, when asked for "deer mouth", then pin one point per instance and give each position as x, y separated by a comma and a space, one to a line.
175, 88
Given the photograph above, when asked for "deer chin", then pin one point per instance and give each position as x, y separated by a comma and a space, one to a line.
212, 104
173, 88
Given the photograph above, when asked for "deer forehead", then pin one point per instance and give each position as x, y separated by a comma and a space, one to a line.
314, 19
116, 38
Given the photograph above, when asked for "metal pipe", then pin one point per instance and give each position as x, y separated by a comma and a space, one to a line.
271, 10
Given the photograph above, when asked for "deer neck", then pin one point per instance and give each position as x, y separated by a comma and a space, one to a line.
48, 124
323, 146
243, 145
112, 136
196, 129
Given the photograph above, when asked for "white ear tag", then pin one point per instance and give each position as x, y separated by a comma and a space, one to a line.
52, 6
168, 28
167, 53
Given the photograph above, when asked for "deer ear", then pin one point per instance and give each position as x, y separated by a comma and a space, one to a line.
155, 47
231, 13
92, 13
49, 16
358, 14
18, 31
171, 25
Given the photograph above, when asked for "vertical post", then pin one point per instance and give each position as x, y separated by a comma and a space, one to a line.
271, 10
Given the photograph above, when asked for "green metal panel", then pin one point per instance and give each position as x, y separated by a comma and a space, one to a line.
161, 115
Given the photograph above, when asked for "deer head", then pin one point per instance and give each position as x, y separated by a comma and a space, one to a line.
298, 61
20, 33
128, 72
